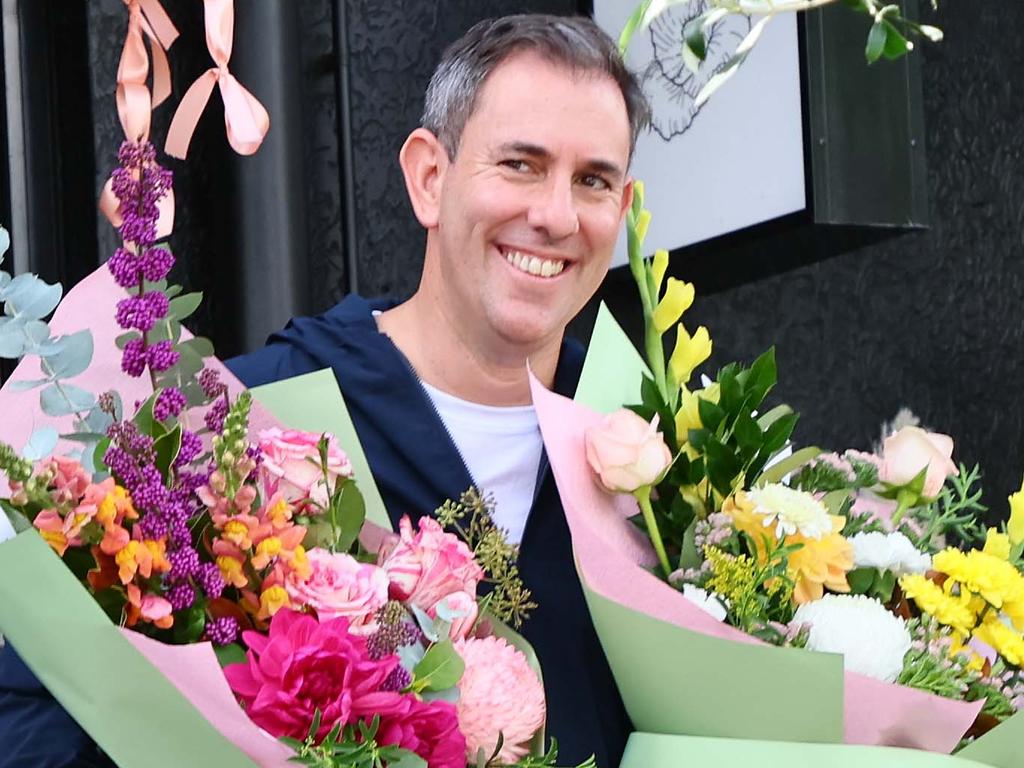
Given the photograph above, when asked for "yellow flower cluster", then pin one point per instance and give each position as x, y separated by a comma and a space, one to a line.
733, 576
982, 595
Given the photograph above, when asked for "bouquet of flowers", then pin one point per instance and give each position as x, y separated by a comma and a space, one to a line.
196, 531
716, 557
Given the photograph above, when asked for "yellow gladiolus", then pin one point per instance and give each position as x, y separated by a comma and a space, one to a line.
1015, 527
642, 222
997, 544
690, 351
688, 415
677, 299
658, 267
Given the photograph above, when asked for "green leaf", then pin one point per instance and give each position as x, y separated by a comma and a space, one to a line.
860, 580
441, 667
63, 399
166, 448
763, 375
876, 42
25, 384
779, 470
895, 43
201, 346
230, 654
711, 415
144, 419
348, 511
722, 466
190, 624
403, 758
885, 583
693, 37
184, 306
746, 431
773, 415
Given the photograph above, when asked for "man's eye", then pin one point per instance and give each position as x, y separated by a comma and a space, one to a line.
593, 181
515, 165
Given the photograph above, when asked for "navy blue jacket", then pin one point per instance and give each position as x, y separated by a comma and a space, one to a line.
417, 467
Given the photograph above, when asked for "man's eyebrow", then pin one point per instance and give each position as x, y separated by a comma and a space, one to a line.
594, 165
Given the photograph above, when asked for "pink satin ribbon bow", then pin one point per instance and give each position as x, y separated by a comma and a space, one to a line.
246, 120
134, 104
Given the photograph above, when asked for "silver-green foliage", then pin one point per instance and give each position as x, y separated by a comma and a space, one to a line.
27, 300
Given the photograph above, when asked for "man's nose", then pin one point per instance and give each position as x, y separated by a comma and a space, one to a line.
554, 209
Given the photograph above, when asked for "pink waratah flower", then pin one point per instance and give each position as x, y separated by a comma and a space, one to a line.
291, 464
626, 452
499, 692
428, 728
911, 450
304, 665
339, 585
426, 566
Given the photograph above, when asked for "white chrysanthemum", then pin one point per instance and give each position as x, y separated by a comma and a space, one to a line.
888, 552
709, 603
791, 511
872, 640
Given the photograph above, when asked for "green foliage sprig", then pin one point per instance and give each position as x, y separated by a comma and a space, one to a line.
351, 746
471, 517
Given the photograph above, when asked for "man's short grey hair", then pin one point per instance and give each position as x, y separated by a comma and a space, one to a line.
573, 41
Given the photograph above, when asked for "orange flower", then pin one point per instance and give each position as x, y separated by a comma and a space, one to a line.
150, 608
271, 601
231, 562
141, 557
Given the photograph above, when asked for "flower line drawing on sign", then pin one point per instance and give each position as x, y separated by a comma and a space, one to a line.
670, 85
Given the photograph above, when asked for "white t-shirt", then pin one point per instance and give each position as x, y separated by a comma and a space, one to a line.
502, 447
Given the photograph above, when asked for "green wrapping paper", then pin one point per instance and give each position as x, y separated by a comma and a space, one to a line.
121, 700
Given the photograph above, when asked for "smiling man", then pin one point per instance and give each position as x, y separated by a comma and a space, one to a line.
519, 175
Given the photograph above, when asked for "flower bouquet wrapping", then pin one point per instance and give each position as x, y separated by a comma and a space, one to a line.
746, 618
197, 584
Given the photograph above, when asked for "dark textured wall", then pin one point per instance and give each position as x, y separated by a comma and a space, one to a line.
930, 320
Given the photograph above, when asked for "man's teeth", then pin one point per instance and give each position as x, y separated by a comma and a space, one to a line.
535, 266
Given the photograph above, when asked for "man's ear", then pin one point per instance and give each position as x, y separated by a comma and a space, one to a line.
424, 161
627, 196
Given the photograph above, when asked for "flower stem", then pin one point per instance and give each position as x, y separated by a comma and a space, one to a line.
643, 496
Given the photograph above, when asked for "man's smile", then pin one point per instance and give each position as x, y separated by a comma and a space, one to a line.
533, 264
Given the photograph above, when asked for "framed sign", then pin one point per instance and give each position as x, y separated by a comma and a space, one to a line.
738, 159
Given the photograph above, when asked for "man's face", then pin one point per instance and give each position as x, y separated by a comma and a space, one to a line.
532, 203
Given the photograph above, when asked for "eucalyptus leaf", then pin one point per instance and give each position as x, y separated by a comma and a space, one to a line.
73, 358
201, 346
409, 655
122, 340
183, 306
425, 622
63, 399
12, 343
29, 297
26, 384
40, 444
876, 42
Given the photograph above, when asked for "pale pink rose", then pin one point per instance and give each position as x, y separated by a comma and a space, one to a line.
462, 606
291, 464
910, 450
499, 693
341, 586
626, 452
425, 566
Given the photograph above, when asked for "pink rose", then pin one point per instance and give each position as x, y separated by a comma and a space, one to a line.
626, 452
303, 665
428, 728
291, 464
341, 586
426, 566
910, 450
463, 609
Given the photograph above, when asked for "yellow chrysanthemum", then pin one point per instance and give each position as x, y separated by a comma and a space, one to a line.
689, 352
952, 610
819, 563
993, 579
975, 661
1006, 642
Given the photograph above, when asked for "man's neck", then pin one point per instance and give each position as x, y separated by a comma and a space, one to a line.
468, 367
